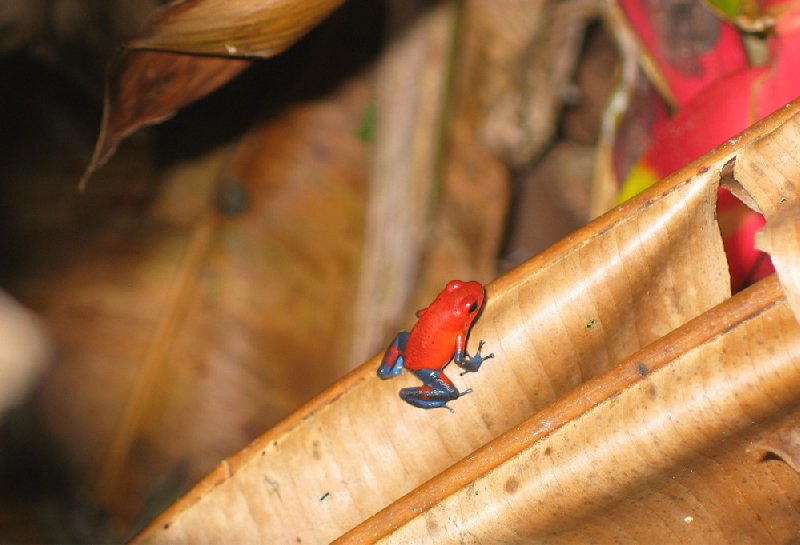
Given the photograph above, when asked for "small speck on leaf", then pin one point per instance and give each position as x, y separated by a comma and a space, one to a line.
512, 484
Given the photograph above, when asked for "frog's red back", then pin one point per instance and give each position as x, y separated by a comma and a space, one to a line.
443, 326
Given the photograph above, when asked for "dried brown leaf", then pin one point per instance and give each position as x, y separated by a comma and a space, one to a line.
209, 321
248, 28
146, 87
767, 174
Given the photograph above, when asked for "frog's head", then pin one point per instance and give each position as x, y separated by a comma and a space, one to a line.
465, 300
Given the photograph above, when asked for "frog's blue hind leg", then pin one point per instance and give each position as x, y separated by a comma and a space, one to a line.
436, 392
392, 362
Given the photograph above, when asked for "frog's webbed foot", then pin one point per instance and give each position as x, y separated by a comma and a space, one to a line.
436, 392
471, 364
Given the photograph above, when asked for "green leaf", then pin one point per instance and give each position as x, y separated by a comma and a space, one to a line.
729, 8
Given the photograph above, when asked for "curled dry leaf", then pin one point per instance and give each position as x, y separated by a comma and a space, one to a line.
249, 28
146, 87
655, 385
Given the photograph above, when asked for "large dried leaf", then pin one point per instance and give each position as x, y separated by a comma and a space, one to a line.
653, 448
186, 331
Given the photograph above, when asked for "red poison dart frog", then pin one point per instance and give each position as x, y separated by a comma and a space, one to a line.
440, 335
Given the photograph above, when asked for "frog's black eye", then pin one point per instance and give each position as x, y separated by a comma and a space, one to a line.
473, 307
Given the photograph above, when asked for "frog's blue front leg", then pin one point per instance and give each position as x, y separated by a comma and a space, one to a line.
436, 392
470, 364
392, 362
